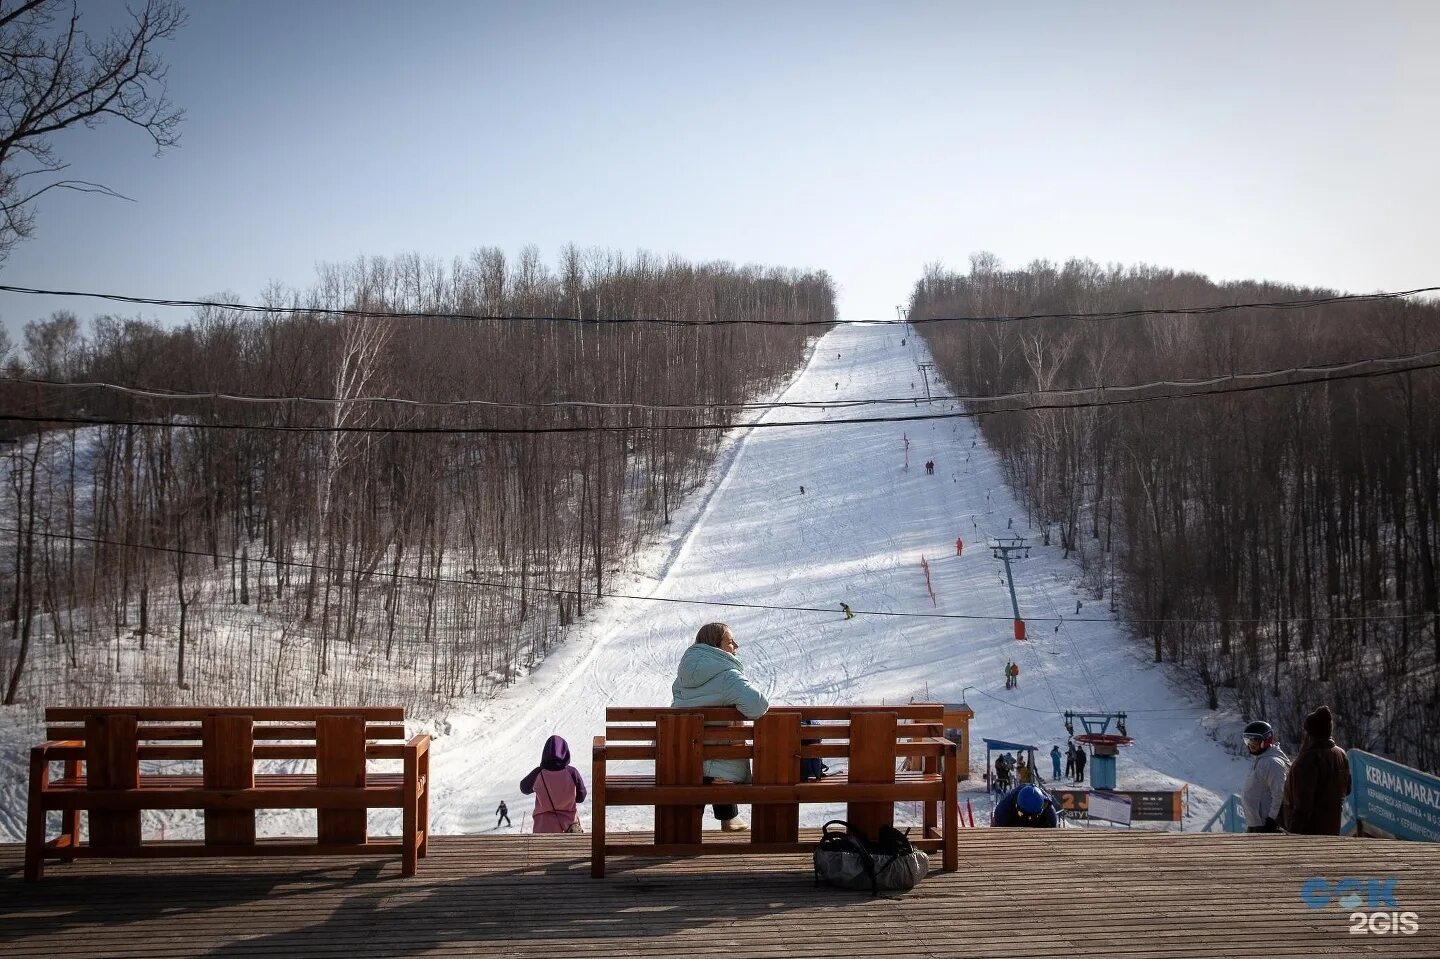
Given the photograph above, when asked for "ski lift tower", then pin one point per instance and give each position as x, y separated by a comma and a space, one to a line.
1104, 744
925, 370
1001, 548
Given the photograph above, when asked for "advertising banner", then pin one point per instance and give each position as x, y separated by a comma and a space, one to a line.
1144, 806
1395, 799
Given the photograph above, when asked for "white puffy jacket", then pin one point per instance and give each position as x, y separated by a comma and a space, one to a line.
1264, 787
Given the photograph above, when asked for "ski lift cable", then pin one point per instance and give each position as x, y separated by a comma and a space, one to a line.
1074, 647
827, 610
1061, 712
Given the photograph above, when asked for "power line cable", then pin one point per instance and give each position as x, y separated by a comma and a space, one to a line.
615, 428
1052, 712
422, 314
442, 580
1186, 310
828, 404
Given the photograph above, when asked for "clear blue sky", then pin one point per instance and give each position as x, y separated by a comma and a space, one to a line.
1293, 141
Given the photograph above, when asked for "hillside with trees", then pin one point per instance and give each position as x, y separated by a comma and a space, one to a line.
300, 505
1277, 543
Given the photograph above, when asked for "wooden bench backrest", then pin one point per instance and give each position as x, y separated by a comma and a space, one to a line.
112, 741
870, 737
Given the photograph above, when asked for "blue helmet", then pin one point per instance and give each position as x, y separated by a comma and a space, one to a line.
1030, 800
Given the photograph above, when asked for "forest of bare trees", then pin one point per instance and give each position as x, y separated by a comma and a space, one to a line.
1279, 543
332, 547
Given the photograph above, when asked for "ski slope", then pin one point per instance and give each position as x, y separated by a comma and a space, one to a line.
856, 535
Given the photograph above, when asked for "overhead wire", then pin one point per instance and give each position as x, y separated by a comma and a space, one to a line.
763, 424
1329, 370
1061, 712
316, 310
774, 607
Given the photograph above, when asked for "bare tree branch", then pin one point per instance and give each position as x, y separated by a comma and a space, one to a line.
55, 76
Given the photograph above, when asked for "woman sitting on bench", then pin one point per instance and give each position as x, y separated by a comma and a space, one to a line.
710, 675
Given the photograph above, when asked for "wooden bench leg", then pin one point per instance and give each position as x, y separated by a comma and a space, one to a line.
70, 818
597, 810
409, 815
424, 814
35, 816
951, 851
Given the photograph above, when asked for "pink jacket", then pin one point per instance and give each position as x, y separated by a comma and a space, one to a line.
557, 786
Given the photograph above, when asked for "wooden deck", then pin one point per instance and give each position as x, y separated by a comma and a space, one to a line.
1066, 893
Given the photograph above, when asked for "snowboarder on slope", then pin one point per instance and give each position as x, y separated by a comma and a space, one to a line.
502, 813
845, 608
959, 546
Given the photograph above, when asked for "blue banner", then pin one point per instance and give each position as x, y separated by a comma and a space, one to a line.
1394, 799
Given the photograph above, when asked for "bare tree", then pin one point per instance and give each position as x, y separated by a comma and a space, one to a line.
54, 75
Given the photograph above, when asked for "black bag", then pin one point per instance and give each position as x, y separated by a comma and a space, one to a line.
849, 860
811, 768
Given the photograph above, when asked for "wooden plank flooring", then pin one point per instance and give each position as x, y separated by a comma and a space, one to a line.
1063, 893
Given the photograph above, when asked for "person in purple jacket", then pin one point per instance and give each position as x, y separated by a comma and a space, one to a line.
558, 788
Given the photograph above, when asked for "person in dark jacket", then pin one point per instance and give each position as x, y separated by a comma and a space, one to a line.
1026, 805
1319, 780
557, 787
1080, 759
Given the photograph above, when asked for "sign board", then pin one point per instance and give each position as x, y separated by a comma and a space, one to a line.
1071, 802
1111, 807
1161, 806
1156, 806
1403, 802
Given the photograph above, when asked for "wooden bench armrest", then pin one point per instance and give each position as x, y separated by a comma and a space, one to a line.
420, 742
46, 747
597, 750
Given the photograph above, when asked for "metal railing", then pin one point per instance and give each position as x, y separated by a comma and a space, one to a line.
1230, 817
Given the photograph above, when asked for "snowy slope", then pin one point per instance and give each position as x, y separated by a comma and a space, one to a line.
856, 535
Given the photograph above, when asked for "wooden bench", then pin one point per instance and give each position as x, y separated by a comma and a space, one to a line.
872, 738
101, 750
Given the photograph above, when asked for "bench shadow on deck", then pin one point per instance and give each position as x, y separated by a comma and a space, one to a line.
1020, 892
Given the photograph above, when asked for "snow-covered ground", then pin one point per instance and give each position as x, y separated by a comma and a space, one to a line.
856, 535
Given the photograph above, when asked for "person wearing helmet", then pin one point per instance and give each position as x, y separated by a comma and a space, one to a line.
1026, 805
1265, 783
